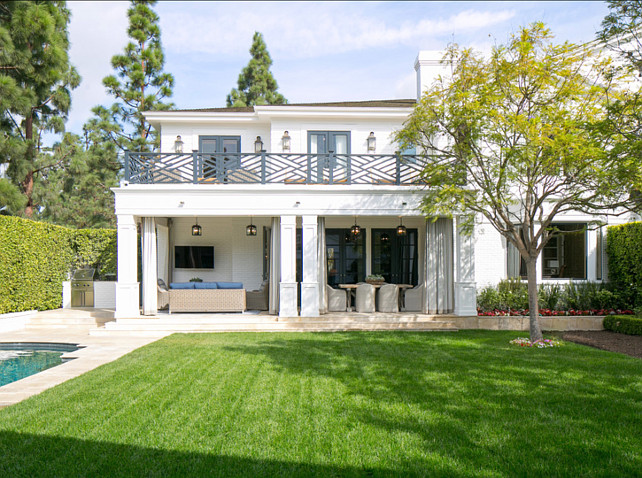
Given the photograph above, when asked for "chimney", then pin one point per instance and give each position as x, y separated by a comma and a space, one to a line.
428, 66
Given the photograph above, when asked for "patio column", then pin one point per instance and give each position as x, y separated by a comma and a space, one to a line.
310, 284
127, 286
288, 284
150, 270
465, 287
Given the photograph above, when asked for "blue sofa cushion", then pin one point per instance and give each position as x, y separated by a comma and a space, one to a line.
230, 285
182, 285
206, 285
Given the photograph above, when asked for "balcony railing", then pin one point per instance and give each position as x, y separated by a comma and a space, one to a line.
273, 168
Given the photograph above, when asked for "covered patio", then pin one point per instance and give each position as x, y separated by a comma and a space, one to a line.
299, 260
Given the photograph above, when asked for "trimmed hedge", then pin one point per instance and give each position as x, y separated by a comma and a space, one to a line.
623, 324
35, 258
624, 251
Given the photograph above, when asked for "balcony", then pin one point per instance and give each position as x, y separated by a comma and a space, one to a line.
273, 168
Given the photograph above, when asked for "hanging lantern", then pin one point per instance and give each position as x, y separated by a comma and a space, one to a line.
250, 229
197, 230
401, 229
385, 237
178, 145
286, 141
356, 229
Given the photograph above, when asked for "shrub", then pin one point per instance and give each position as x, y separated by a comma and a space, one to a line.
624, 251
513, 294
488, 299
35, 258
623, 324
549, 295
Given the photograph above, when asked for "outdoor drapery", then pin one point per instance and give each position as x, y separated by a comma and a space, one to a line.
162, 241
439, 267
323, 270
514, 260
150, 296
275, 265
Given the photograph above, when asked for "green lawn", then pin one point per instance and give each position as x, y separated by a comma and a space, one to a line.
336, 404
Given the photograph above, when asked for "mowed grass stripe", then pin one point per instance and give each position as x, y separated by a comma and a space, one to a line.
336, 404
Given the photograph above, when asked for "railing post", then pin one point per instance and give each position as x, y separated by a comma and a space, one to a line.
398, 168
263, 166
331, 161
195, 166
309, 172
127, 166
349, 168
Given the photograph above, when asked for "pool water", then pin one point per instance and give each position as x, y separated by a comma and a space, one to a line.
23, 359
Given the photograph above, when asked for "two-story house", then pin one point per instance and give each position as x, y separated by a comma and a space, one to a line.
304, 195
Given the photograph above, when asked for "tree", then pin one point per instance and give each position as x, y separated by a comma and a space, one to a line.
35, 82
139, 83
514, 139
622, 34
77, 193
256, 85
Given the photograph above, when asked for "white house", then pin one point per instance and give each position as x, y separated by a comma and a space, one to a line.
302, 175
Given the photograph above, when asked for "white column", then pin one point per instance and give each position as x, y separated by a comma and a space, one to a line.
310, 284
465, 287
288, 284
150, 269
127, 285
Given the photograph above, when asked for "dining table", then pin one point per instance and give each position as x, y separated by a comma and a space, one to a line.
352, 292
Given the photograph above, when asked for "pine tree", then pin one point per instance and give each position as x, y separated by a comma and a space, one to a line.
77, 193
139, 83
35, 82
256, 85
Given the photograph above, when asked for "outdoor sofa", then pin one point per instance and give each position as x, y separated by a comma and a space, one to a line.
203, 297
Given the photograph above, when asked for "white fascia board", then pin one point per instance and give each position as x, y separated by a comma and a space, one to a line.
333, 112
176, 200
155, 118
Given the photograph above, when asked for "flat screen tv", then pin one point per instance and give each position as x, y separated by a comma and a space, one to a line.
194, 257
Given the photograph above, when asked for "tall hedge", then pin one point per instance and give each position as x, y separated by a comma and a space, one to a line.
35, 258
624, 251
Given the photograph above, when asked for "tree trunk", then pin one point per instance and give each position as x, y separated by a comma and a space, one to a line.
27, 183
533, 306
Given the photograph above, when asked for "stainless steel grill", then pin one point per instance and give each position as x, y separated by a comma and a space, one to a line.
82, 288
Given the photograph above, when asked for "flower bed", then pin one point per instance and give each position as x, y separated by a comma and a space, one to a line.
553, 313
540, 344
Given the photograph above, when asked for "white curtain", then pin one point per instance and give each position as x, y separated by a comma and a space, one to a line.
275, 265
323, 270
162, 241
439, 273
150, 294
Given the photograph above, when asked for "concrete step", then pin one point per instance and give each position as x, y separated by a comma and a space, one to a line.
161, 327
77, 318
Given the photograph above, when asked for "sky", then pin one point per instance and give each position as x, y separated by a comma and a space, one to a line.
321, 51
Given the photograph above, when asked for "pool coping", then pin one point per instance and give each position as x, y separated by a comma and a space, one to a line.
92, 353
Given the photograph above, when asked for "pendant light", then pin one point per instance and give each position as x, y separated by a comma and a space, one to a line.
196, 229
356, 229
401, 229
250, 229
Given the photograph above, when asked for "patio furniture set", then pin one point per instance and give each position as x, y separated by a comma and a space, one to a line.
375, 297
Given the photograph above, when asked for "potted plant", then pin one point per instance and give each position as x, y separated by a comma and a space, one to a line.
196, 279
375, 279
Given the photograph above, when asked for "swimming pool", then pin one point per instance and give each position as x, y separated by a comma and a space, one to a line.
19, 360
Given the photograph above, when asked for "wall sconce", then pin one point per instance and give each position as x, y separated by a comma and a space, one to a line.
258, 145
372, 142
250, 229
197, 230
286, 141
401, 229
356, 229
178, 145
